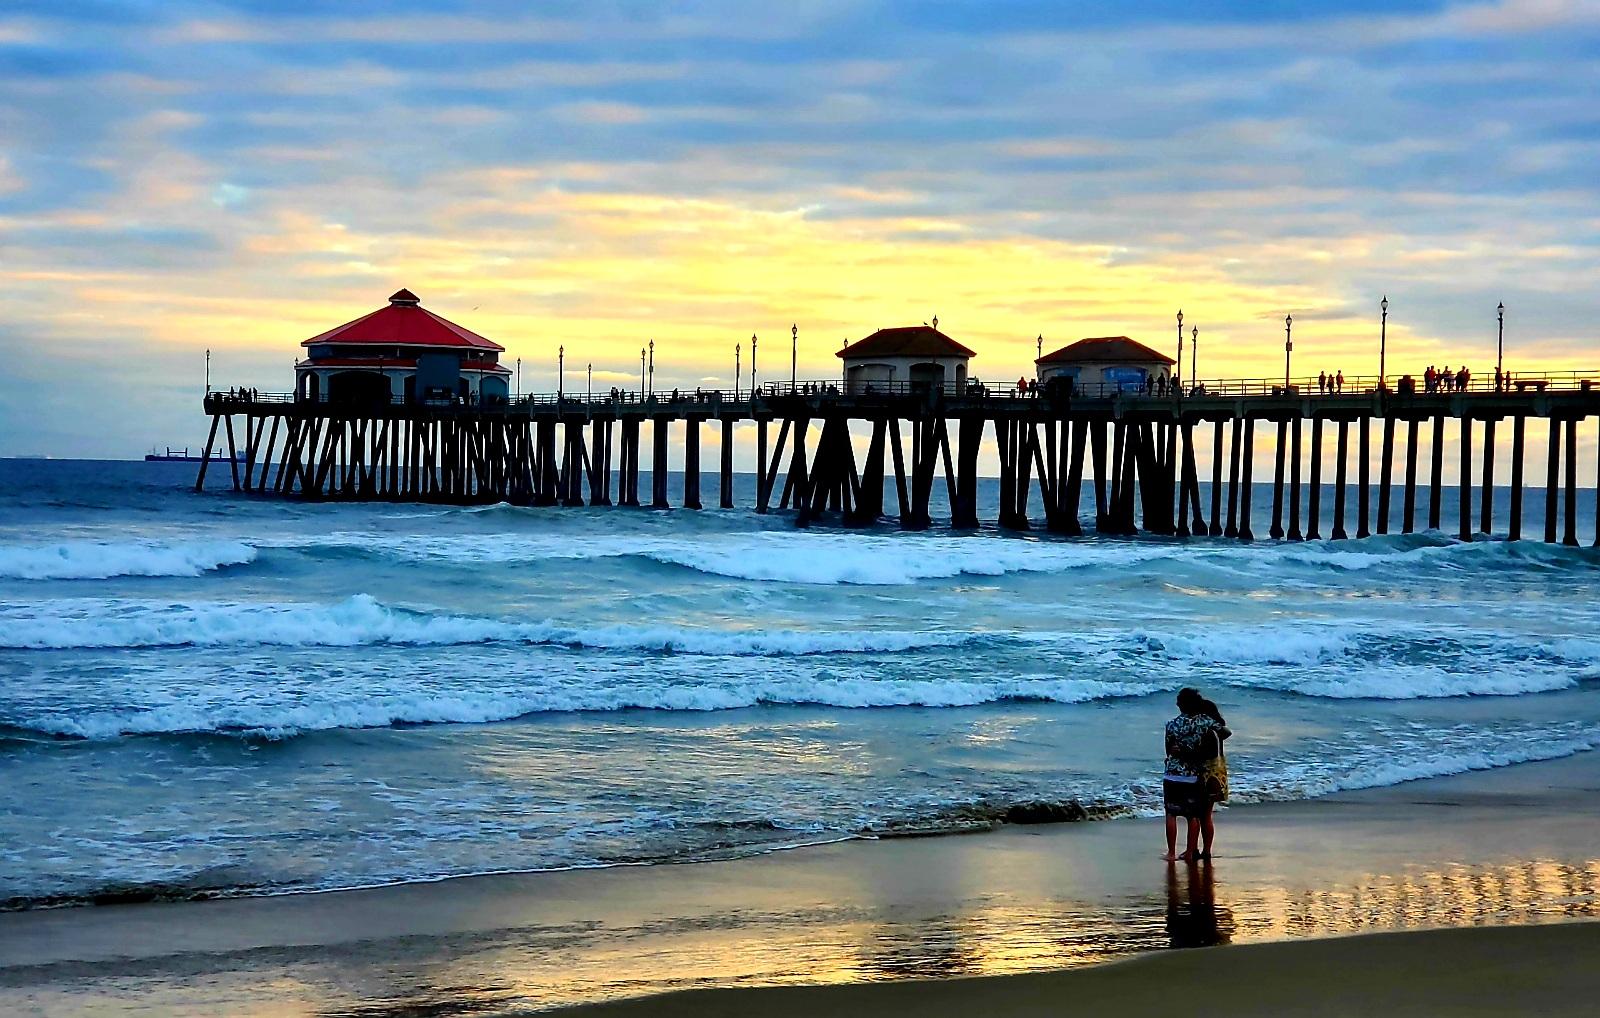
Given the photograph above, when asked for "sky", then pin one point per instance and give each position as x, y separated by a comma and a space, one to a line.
180, 176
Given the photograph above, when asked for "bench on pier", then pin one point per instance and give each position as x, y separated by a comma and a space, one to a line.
1524, 384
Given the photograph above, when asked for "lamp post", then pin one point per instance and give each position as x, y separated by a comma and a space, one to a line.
1180, 345
561, 371
1194, 354
641, 374
519, 378
736, 347
591, 381
1500, 350
794, 354
208, 371
753, 383
1288, 348
1383, 345
652, 367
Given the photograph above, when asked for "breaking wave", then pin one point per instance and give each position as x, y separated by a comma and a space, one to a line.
87, 623
99, 560
228, 716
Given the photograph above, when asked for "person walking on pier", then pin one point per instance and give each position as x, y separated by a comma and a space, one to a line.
1192, 782
1322, 383
1340, 378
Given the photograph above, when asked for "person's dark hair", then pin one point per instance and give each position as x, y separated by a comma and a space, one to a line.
1209, 709
1190, 702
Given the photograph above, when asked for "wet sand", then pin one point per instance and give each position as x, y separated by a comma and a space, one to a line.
1513, 847
1547, 970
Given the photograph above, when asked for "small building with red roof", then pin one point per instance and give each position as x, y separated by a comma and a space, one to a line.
905, 358
401, 353
1104, 363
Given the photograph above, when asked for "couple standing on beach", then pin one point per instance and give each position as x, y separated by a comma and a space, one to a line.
1196, 777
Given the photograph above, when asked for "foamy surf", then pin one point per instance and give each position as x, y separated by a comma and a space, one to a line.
99, 560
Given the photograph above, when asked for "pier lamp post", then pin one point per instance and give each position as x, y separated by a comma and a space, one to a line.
1288, 348
591, 381
736, 376
561, 371
1038, 347
208, 371
1180, 345
641, 374
753, 383
1194, 354
1500, 349
1383, 345
519, 378
652, 367
794, 354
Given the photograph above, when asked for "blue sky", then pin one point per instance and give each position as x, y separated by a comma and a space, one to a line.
181, 176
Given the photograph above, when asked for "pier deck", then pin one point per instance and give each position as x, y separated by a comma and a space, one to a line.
1135, 451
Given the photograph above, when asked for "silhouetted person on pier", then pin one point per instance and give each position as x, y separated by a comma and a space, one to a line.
1340, 378
1463, 378
1322, 383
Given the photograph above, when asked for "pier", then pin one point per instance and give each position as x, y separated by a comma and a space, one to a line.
1130, 455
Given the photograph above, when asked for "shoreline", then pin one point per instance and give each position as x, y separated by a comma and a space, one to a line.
1508, 846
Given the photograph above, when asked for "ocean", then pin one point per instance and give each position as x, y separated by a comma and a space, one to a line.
220, 694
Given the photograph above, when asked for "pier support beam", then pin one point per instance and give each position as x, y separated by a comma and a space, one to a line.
1314, 511
1570, 537
1097, 449
1385, 474
691, 463
1294, 480
1216, 479
1233, 479
1436, 473
1465, 481
964, 513
725, 479
1245, 533
1552, 481
1519, 425
1277, 481
658, 464
1486, 510
1363, 480
1068, 509
1409, 508
1339, 472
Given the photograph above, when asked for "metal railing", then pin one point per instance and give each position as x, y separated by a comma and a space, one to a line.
1315, 387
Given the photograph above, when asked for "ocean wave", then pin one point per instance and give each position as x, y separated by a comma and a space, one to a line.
285, 720
362, 620
99, 560
1339, 771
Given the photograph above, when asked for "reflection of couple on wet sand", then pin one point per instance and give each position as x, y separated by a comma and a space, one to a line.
1196, 776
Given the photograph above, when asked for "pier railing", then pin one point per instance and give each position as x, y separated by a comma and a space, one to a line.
1312, 387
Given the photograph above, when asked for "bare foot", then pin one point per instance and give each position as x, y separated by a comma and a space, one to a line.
1169, 857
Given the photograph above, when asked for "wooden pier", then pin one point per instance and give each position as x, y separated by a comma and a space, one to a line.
1134, 453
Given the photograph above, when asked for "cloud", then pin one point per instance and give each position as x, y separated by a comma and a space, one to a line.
193, 175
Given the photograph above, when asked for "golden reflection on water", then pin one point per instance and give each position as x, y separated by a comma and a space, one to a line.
1192, 906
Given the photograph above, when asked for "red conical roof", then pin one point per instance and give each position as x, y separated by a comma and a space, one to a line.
404, 322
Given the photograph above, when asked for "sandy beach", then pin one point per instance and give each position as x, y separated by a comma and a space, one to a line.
1493, 850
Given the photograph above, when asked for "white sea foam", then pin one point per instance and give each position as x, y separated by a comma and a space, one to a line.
787, 557
248, 715
97, 560
87, 623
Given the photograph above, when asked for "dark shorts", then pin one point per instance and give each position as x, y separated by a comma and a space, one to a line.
1184, 798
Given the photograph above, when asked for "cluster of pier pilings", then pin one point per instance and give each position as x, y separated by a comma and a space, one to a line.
1134, 457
